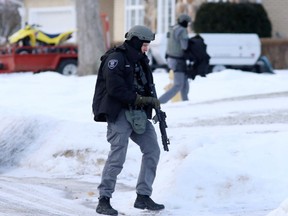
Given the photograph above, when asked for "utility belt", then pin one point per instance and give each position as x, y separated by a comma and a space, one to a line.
135, 108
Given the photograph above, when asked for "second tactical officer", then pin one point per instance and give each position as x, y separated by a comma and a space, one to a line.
177, 43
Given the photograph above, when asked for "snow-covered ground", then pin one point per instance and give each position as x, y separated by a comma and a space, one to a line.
228, 151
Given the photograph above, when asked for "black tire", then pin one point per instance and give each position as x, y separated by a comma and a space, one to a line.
68, 67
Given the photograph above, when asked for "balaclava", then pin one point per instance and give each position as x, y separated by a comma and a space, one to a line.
183, 24
136, 43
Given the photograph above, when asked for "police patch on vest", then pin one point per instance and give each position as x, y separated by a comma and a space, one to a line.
112, 63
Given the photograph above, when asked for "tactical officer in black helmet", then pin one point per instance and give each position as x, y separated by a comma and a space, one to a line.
123, 99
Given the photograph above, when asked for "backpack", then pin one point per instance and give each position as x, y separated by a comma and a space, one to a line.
197, 53
106, 54
99, 87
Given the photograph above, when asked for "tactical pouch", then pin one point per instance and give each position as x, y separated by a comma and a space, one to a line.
137, 119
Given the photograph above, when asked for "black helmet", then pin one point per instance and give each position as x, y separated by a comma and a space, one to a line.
141, 32
183, 18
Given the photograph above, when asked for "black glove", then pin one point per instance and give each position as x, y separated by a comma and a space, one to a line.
142, 101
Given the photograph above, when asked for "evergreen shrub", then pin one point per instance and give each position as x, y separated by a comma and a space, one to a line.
226, 17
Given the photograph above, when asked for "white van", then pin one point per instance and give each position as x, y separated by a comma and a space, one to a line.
239, 51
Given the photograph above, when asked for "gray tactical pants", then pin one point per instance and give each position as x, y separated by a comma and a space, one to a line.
180, 84
180, 81
118, 135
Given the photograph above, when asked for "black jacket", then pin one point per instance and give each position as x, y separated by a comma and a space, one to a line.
114, 86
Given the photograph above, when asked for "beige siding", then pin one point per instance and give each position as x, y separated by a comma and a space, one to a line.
50, 3
277, 12
119, 21
107, 7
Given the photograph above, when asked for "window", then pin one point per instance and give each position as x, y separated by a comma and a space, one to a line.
134, 13
165, 15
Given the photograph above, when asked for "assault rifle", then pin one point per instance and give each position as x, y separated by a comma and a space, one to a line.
161, 118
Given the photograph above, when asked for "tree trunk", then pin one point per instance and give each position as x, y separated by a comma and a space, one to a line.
9, 19
91, 45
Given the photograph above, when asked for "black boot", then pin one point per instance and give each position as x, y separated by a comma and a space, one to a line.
104, 207
145, 202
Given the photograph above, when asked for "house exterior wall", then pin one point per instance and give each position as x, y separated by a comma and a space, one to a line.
38, 12
277, 12
51, 3
113, 9
119, 21
116, 13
